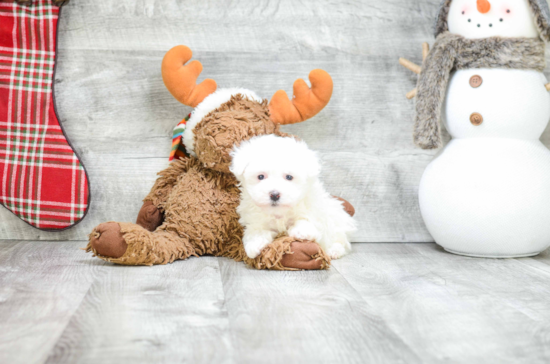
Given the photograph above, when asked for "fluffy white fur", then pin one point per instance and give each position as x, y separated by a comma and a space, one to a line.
209, 104
304, 210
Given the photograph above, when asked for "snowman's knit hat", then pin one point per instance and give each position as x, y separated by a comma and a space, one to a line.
539, 8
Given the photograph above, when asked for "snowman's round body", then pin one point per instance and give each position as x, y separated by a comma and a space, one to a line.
487, 193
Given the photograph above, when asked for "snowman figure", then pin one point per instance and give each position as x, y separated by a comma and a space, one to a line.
487, 192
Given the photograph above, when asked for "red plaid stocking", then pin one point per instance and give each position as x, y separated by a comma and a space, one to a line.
41, 178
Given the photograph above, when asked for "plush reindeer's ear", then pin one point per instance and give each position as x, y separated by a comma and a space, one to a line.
307, 102
181, 79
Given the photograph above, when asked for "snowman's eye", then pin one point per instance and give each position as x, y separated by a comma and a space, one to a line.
501, 19
508, 11
469, 20
463, 12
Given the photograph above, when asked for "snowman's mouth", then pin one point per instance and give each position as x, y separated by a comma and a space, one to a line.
490, 25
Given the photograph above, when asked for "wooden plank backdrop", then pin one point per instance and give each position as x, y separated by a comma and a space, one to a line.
116, 111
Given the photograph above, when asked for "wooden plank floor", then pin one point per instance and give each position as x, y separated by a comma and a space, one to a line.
384, 303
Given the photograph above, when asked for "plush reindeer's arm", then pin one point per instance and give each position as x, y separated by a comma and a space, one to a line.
166, 181
151, 214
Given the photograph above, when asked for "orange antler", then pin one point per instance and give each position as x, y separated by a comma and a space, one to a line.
181, 79
306, 102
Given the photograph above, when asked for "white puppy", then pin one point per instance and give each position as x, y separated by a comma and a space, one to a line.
281, 192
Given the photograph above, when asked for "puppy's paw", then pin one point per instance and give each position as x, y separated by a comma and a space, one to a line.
304, 230
304, 234
336, 251
253, 246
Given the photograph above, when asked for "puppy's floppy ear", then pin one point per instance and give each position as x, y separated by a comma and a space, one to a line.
241, 159
312, 166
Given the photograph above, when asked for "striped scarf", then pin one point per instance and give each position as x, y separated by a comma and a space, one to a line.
178, 149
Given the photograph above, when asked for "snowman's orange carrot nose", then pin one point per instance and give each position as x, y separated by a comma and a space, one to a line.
483, 6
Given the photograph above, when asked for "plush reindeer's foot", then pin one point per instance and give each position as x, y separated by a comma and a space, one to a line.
107, 241
149, 217
305, 255
287, 253
130, 244
347, 206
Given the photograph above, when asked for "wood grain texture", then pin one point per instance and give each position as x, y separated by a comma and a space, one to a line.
306, 317
119, 116
384, 303
161, 314
456, 309
41, 286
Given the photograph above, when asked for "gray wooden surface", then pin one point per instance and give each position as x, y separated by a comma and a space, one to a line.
385, 303
119, 116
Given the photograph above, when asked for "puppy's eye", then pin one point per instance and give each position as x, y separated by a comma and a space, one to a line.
261, 177
289, 177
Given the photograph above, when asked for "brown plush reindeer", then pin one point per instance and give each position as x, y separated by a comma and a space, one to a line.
191, 209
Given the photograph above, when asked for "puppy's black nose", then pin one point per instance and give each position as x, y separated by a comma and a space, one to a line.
274, 195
